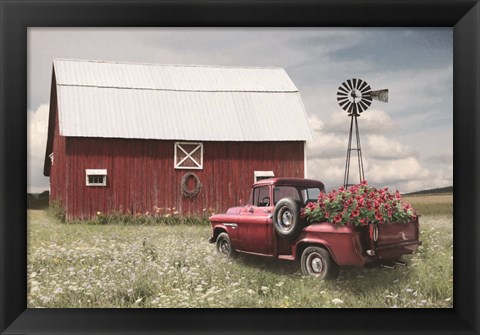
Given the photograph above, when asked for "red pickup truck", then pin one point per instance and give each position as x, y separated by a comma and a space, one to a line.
271, 225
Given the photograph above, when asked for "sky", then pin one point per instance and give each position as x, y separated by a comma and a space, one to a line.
407, 143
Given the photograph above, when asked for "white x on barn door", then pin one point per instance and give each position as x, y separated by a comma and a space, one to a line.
188, 155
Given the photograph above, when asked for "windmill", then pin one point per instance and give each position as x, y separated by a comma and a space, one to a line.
355, 96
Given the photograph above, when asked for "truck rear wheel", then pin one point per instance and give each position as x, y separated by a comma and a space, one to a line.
317, 262
286, 218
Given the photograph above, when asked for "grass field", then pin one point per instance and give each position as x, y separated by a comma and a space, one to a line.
156, 266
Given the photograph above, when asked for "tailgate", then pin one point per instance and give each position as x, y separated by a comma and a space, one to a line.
396, 239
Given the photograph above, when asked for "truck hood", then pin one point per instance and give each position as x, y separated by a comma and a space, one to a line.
234, 210
231, 214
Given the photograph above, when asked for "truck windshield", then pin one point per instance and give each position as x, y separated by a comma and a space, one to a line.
298, 193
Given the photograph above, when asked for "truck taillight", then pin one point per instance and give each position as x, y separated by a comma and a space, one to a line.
373, 232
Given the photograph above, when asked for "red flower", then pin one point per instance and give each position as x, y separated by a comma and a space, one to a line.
337, 218
355, 213
364, 183
378, 216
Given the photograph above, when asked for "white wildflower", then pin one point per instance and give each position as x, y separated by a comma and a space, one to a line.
337, 301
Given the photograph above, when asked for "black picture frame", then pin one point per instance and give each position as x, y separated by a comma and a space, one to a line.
17, 16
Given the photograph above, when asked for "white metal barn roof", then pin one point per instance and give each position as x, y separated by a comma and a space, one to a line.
178, 102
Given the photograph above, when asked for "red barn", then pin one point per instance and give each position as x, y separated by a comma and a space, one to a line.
131, 137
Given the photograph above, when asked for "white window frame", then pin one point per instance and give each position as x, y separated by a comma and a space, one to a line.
96, 172
199, 165
262, 175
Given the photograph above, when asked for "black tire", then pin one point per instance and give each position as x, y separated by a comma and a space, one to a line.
286, 218
317, 262
224, 246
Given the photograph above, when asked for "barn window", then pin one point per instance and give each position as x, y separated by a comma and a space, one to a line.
259, 175
188, 155
96, 177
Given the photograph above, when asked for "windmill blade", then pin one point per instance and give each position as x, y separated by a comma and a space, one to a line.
342, 99
355, 83
362, 85
363, 105
342, 90
345, 104
366, 90
380, 95
344, 86
349, 84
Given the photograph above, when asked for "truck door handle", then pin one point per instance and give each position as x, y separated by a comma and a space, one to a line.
267, 211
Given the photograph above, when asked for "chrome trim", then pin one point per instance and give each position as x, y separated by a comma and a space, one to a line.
375, 233
233, 225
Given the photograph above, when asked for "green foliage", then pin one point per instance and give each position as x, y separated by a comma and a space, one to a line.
56, 210
146, 220
37, 201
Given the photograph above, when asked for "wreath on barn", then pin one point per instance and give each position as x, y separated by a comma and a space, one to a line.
190, 193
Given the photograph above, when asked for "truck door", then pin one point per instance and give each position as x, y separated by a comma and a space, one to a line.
255, 223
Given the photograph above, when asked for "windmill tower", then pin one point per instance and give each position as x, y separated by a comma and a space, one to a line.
355, 96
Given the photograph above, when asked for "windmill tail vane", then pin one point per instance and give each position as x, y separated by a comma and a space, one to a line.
355, 96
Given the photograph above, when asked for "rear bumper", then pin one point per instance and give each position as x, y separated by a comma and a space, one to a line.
395, 251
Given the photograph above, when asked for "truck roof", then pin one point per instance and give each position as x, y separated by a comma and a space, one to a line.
291, 182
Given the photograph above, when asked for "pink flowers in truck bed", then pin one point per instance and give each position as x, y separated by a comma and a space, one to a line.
359, 205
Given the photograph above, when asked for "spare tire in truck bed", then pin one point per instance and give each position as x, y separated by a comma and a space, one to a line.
286, 218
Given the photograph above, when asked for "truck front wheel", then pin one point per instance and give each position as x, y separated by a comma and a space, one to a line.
224, 246
317, 262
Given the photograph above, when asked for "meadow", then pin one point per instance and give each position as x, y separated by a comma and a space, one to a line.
161, 266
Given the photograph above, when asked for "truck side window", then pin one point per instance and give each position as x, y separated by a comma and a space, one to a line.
261, 196
281, 192
310, 195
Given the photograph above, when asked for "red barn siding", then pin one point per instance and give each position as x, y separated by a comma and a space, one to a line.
141, 174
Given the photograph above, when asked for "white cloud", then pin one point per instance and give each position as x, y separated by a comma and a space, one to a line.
37, 129
381, 147
394, 170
